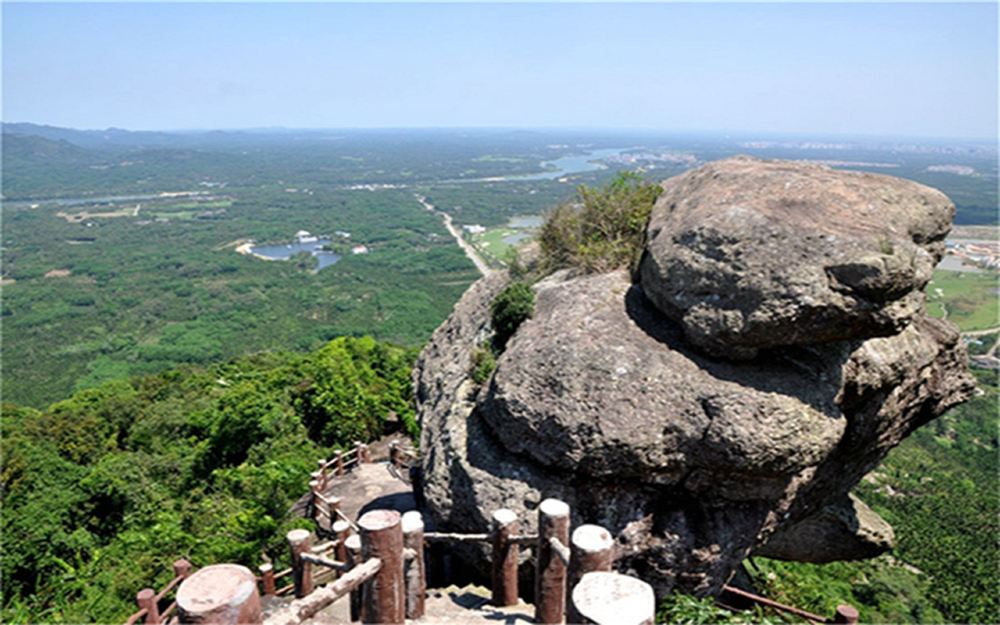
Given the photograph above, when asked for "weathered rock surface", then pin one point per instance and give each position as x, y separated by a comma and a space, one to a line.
597, 383
690, 460
749, 254
845, 529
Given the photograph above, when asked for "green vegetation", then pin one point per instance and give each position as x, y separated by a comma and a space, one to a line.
680, 609
938, 490
603, 230
201, 456
981, 344
881, 589
103, 490
142, 297
967, 299
483, 364
491, 244
508, 310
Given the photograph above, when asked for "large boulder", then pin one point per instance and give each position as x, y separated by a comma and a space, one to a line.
845, 529
692, 461
598, 384
749, 254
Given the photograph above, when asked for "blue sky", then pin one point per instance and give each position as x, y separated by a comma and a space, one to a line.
921, 70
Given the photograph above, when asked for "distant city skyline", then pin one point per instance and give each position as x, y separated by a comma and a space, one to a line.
904, 70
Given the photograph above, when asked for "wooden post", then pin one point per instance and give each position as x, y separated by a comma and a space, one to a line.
353, 545
341, 530
267, 578
416, 581
146, 599
303, 610
417, 485
182, 568
359, 451
846, 615
340, 463
550, 572
506, 556
394, 455
334, 508
382, 598
322, 472
591, 550
604, 598
299, 542
221, 594
320, 510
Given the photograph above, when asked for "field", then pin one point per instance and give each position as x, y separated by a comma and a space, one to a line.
491, 244
967, 299
145, 294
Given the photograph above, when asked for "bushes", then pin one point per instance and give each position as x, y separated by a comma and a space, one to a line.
603, 230
483, 363
104, 489
681, 609
508, 310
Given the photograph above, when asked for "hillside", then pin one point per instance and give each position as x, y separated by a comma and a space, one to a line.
33, 149
103, 490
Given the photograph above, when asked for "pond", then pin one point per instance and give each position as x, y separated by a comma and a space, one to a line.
323, 257
514, 239
575, 164
525, 222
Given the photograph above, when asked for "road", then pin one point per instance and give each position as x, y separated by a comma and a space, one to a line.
470, 251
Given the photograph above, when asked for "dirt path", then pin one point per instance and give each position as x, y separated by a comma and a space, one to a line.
470, 251
981, 332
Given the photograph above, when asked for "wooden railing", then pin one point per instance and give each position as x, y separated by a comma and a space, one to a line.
149, 600
402, 456
398, 541
379, 563
340, 464
325, 510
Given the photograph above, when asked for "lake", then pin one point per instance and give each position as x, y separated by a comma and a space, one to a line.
575, 164
521, 222
285, 252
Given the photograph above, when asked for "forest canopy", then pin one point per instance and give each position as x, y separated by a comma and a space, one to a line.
102, 491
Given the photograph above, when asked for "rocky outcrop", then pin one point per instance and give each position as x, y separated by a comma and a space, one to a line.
748, 254
692, 460
845, 529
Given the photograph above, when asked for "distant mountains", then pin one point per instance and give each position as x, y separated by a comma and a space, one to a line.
38, 149
110, 137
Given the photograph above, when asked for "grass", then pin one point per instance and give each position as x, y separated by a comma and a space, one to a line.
491, 243
967, 299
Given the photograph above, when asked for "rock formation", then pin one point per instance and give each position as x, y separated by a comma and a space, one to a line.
748, 254
772, 351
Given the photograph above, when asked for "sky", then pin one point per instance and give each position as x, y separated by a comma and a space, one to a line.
907, 70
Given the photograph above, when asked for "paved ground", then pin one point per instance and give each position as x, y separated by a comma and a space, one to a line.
445, 606
368, 486
377, 485
371, 487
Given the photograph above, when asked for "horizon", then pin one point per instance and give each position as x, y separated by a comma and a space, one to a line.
913, 71
586, 130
